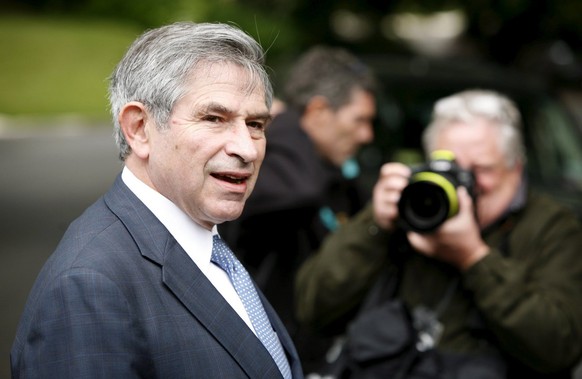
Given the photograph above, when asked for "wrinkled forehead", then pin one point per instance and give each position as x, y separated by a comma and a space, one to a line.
476, 142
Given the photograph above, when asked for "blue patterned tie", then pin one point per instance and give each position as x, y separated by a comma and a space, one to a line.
225, 259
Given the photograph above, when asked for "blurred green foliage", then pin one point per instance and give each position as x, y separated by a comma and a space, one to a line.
58, 65
57, 54
57, 60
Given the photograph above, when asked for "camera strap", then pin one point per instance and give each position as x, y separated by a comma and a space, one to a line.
426, 320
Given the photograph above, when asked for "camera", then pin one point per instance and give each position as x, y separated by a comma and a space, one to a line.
430, 198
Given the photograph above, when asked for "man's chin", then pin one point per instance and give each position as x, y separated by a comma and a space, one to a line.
230, 213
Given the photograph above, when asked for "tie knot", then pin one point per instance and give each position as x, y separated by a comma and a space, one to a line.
222, 255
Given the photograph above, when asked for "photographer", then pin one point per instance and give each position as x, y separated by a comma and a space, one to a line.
500, 281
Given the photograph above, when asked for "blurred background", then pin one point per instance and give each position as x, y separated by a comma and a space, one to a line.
56, 148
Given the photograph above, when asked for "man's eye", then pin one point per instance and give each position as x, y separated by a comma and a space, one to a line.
256, 125
484, 170
211, 118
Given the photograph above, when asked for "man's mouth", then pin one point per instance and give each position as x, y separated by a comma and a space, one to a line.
230, 178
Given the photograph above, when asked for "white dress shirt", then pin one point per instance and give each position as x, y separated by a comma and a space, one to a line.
194, 239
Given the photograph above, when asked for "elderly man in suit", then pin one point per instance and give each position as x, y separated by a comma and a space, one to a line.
141, 284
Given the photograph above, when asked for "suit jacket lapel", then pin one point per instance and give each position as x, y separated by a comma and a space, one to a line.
210, 308
282, 332
189, 284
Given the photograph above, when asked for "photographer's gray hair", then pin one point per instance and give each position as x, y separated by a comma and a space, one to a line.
489, 105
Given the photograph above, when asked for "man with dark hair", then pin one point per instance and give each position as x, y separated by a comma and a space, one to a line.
308, 182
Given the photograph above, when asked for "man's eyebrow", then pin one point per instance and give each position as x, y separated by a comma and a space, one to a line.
214, 107
219, 108
265, 116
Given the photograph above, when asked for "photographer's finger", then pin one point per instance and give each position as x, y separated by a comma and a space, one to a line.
465, 200
395, 169
385, 210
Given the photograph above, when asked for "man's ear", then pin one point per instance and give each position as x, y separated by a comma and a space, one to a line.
317, 111
317, 104
133, 119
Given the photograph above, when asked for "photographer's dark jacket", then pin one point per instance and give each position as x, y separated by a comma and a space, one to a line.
523, 299
282, 222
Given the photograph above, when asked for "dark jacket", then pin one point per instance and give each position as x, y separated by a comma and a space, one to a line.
120, 298
523, 299
282, 223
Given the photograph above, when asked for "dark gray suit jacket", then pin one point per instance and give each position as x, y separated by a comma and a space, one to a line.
120, 298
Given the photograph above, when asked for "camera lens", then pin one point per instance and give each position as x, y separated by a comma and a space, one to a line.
423, 206
431, 195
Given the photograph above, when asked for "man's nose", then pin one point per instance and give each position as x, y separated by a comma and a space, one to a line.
242, 144
366, 133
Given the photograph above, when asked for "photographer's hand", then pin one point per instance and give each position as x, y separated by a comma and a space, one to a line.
391, 181
458, 241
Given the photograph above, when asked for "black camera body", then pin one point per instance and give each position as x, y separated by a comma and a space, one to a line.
430, 198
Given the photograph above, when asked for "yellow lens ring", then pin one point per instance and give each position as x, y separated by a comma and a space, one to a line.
443, 155
442, 182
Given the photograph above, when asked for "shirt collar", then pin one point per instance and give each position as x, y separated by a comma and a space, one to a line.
194, 239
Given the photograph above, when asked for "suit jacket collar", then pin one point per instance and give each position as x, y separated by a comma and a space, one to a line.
185, 280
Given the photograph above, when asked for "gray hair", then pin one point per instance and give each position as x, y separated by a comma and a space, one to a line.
469, 105
156, 68
329, 72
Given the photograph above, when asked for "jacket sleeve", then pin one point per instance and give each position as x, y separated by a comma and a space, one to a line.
82, 329
332, 283
531, 300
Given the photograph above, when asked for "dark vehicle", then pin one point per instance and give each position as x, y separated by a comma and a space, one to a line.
411, 85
